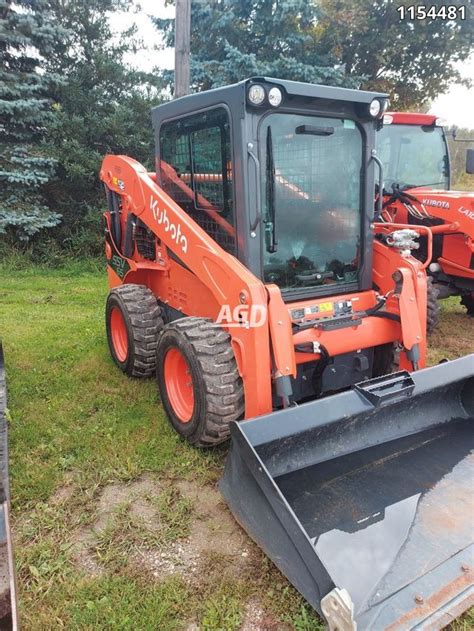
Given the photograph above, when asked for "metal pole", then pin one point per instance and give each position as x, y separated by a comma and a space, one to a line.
182, 43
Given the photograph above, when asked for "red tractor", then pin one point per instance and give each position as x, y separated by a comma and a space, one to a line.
417, 180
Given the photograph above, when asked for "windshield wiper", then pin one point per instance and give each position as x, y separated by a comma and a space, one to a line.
270, 225
405, 187
420, 185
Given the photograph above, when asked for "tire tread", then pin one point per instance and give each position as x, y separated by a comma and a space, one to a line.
147, 321
223, 384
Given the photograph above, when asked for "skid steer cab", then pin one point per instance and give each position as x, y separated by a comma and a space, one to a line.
247, 273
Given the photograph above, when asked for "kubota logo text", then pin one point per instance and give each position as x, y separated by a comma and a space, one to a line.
467, 212
438, 203
174, 229
246, 316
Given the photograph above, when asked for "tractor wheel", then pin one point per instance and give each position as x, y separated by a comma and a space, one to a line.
386, 359
133, 321
432, 314
467, 300
200, 386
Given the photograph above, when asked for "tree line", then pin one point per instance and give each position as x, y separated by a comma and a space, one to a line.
67, 95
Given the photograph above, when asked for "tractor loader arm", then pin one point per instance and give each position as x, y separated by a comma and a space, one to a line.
455, 208
227, 281
409, 300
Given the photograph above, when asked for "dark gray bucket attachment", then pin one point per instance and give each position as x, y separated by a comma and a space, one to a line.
364, 499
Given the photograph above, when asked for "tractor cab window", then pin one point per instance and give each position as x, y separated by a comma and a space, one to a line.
312, 194
413, 155
195, 170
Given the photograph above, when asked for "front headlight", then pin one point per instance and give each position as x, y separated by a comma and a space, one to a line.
375, 108
275, 97
256, 94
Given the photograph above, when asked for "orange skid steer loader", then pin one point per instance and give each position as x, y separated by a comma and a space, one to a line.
248, 274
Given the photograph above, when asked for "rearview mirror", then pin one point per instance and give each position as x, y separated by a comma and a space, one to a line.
470, 161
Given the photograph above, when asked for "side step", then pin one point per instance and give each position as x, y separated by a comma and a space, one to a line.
364, 499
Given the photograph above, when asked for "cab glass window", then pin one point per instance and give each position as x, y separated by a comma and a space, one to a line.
312, 192
195, 170
413, 155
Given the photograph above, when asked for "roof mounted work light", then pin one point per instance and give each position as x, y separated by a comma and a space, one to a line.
261, 94
378, 107
256, 94
275, 96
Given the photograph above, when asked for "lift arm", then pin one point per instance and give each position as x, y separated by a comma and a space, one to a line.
230, 283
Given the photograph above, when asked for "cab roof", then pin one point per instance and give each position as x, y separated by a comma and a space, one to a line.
236, 94
411, 118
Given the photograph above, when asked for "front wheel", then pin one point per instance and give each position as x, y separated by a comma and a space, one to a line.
199, 384
467, 300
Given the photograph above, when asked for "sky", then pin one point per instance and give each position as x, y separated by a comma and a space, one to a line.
456, 106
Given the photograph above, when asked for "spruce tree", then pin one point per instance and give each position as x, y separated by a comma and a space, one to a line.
27, 35
234, 39
103, 106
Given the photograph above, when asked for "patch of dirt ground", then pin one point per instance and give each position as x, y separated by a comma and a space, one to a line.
214, 541
214, 537
110, 499
257, 619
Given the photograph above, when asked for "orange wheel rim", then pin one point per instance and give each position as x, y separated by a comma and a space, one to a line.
118, 330
179, 384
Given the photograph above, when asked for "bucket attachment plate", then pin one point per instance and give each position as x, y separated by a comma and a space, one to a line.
367, 494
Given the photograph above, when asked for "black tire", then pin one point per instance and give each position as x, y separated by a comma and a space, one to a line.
142, 320
467, 300
432, 304
386, 359
218, 395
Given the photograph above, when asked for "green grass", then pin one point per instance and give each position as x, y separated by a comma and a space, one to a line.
78, 425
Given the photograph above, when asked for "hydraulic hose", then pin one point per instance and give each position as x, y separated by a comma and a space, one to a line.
369, 312
399, 195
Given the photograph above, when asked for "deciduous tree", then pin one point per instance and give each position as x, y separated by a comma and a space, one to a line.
413, 60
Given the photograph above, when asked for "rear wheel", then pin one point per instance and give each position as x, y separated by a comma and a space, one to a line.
467, 300
133, 320
432, 311
200, 386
